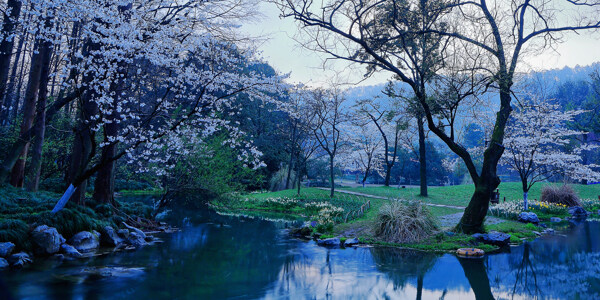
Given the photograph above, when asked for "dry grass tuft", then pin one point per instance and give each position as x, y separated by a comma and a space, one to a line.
560, 195
405, 222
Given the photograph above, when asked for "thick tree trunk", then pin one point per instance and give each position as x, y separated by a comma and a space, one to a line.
29, 105
40, 124
6, 46
104, 186
488, 180
422, 157
84, 143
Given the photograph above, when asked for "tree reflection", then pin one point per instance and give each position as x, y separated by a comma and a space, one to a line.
526, 275
402, 265
478, 279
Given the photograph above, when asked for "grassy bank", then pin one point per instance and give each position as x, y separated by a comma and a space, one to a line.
362, 226
22, 211
460, 195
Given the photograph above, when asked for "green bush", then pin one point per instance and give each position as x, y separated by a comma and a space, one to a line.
405, 222
15, 231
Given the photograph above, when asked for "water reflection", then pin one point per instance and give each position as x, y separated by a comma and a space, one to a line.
216, 257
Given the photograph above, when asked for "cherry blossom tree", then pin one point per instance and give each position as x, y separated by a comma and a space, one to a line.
366, 151
538, 145
149, 73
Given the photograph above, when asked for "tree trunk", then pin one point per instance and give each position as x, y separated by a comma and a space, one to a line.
388, 173
84, 142
525, 191
6, 46
18, 170
488, 181
40, 124
289, 173
10, 97
422, 157
15, 150
331, 176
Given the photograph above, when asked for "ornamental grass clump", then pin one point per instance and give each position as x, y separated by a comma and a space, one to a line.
560, 195
405, 222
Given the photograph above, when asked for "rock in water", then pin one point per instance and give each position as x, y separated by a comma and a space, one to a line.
85, 241
6, 249
528, 217
578, 212
351, 242
18, 260
329, 242
110, 237
493, 238
70, 251
47, 239
136, 240
139, 232
555, 219
3, 263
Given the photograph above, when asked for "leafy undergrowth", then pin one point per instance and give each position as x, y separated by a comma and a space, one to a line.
22, 211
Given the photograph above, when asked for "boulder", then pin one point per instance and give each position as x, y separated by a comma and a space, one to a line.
136, 240
329, 242
528, 217
85, 241
493, 238
351, 242
6, 249
139, 232
70, 251
301, 232
46, 239
3, 263
548, 231
555, 219
109, 237
18, 260
578, 212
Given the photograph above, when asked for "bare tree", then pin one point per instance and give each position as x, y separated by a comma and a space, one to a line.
326, 108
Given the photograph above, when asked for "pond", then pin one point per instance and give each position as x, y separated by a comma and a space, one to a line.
216, 257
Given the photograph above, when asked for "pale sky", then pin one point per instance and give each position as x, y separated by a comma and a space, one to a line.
286, 55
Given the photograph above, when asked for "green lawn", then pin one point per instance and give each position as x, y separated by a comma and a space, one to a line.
461, 194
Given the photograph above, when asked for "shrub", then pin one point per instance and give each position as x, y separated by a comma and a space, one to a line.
560, 195
404, 222
15, 231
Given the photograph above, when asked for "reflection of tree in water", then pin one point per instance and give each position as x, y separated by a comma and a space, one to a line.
561, 266
476, 273
526, 277
402, 265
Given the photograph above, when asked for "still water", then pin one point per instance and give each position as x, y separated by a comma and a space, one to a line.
219, 257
